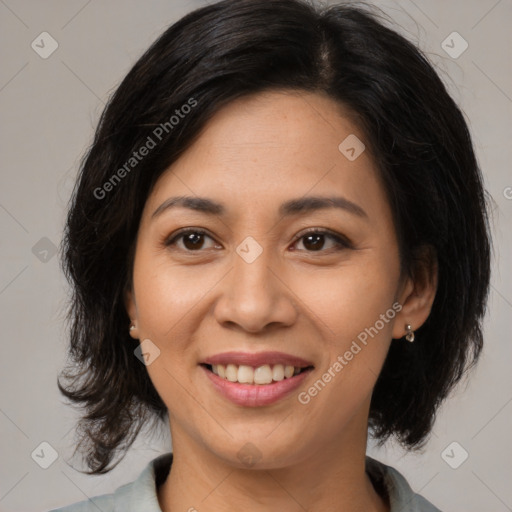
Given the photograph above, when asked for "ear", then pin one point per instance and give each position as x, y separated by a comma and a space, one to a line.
417, 292
131, 309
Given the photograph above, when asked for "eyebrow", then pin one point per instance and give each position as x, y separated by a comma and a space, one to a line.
292, 207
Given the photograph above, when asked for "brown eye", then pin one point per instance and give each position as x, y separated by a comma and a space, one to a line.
315, 241
192, 240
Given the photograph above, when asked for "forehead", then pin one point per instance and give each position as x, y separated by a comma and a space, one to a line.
269, 147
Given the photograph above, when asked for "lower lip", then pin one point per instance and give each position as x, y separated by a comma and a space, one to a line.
255, 395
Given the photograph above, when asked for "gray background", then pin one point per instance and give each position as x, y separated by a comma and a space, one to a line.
49, 109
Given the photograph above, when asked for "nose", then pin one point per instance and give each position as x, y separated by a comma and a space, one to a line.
255, 297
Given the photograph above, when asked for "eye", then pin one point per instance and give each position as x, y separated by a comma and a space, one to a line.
314, 240
193, 239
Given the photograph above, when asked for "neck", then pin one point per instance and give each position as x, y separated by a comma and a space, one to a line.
331, 478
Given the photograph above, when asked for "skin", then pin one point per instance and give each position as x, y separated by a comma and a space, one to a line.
253, 155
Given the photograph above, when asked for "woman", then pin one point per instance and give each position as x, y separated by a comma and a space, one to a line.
277, 243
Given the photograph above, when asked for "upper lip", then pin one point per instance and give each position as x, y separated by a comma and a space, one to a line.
257, 359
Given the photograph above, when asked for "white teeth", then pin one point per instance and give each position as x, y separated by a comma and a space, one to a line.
265, 374
231, 372
278, 372
245, 374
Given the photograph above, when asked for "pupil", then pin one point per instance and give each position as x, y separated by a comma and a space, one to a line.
194, 239
315, 244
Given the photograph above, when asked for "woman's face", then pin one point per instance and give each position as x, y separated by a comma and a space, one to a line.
247, 278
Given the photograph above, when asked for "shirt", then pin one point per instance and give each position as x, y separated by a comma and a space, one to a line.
141, 494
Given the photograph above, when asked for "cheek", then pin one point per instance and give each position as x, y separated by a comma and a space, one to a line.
166, 295
350, 299
358, 318
353, 307
168, 301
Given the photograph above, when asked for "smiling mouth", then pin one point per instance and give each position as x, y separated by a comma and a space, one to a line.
261, 375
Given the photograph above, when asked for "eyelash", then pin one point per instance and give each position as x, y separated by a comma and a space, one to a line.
341, 242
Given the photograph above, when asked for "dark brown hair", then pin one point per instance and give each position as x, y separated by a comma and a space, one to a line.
422, 147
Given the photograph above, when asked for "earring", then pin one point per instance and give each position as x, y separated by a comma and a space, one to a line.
410, 333
132, 327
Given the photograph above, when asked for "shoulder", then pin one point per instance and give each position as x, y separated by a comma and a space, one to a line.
401, 496
141, 494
